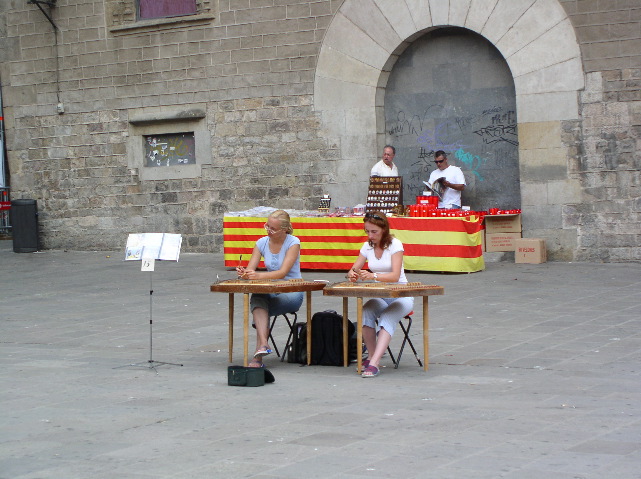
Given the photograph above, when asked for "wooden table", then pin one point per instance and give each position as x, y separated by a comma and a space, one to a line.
246, 287
360, 290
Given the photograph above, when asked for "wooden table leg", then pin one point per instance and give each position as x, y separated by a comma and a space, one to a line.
345, 335
309, 326
246, 328
359, 335
426, 334
231, 327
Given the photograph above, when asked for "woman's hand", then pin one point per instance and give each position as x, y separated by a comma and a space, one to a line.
353, 275
365, 275
355, 272
250, 274
246, 273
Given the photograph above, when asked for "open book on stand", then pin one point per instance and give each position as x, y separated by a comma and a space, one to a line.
161, 246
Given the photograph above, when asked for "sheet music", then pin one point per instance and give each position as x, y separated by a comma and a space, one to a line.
161, 246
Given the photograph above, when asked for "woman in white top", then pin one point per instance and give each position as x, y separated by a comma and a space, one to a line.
281, 251
384, 256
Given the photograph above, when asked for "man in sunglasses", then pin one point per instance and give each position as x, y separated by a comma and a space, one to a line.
386, 166
448, 180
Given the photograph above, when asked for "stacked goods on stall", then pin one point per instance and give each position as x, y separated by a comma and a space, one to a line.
385, 193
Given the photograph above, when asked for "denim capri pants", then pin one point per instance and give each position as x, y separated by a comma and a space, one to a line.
388, 311
278, 303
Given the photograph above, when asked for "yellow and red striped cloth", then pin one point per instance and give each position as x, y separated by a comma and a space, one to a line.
450, 244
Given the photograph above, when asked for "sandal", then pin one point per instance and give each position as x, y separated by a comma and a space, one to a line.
364, 364
263, 351
370, 372
254, 363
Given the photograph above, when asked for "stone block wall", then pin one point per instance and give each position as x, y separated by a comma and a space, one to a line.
607, 142
248, 67
274, 139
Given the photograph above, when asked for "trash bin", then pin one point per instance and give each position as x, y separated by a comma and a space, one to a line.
24, 225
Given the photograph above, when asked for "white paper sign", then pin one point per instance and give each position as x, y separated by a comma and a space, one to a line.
148, 264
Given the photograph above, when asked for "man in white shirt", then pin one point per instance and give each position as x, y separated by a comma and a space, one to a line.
448, 180
386, 166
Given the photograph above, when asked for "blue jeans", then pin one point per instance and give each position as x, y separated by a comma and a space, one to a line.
276, 304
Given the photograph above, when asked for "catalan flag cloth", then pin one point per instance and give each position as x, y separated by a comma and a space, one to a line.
451, 244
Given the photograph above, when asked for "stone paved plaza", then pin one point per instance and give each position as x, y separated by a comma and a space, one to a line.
535, 373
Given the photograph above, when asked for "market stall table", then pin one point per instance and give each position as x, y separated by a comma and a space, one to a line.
451, 244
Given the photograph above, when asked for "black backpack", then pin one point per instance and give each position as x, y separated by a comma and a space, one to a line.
327, 340
297, 350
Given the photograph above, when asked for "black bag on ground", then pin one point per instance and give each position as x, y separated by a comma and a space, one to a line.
245, 376
297, 350
327, 340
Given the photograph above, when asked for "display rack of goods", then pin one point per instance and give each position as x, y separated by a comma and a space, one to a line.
385, 193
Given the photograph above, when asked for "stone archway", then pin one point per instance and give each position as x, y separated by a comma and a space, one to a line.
452, 90
536, 39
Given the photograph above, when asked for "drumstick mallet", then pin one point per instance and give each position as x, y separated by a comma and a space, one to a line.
240, 264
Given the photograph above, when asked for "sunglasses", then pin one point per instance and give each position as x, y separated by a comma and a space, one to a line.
439, 161
376, 217
270, 230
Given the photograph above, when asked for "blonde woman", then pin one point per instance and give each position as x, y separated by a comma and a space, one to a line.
281, 252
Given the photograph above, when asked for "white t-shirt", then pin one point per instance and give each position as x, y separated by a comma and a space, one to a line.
454, 175
381, 169
384, 264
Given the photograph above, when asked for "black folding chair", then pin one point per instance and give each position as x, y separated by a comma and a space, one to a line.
291, 324
406, 340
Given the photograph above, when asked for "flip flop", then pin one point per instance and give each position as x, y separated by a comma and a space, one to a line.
370, 372
255, 364
263, 351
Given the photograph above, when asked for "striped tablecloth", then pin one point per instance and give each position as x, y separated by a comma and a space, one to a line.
431, 244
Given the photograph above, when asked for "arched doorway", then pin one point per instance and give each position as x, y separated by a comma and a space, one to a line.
452, 90
364, 41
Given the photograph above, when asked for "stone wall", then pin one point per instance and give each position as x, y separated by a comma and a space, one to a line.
539, 45
607, 142
547, 45
261, 72
249, 70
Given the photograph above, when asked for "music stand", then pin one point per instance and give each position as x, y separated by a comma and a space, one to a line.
147, 248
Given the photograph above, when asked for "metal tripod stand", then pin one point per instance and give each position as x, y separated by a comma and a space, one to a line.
151, 363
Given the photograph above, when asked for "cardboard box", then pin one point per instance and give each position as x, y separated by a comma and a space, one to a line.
503, 223
530, 250
500, 241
